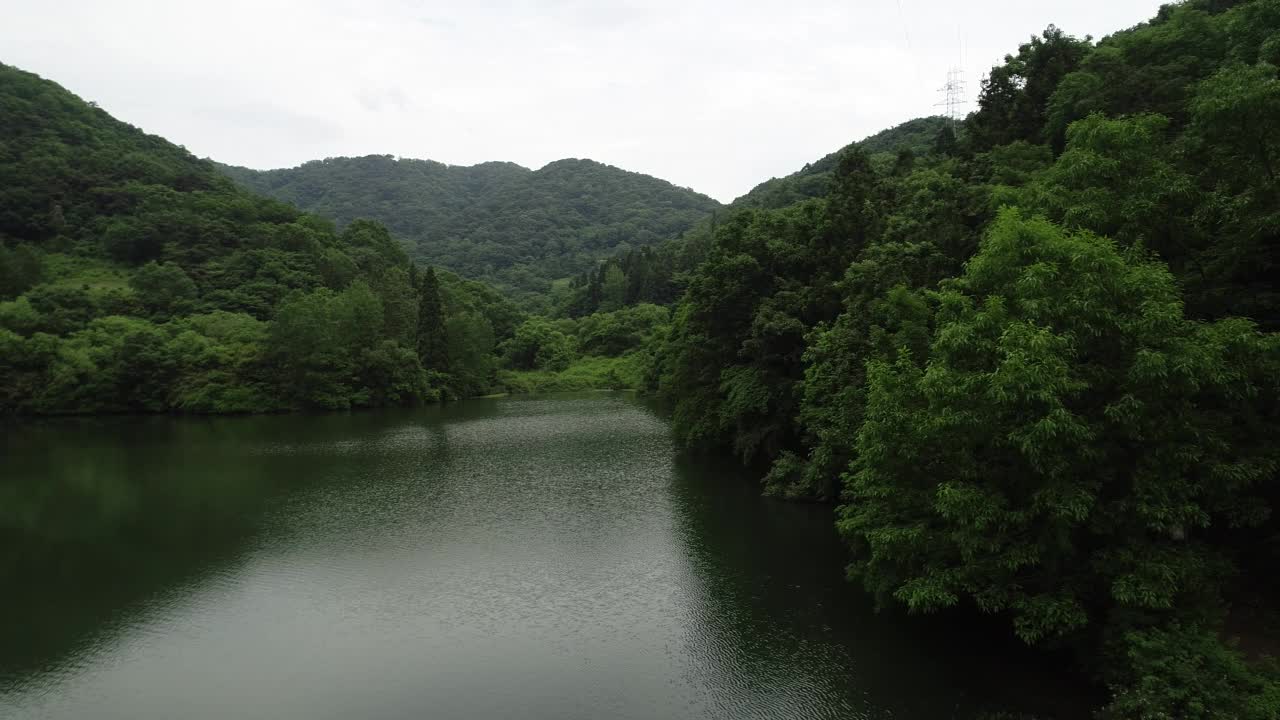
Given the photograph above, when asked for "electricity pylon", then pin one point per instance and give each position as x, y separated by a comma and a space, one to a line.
955, 94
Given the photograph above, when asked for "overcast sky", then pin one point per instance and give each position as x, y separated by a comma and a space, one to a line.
716, 96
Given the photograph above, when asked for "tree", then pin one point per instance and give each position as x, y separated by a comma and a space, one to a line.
1118, 178
164, 289
433, 336
537, 344
1236, 151
391, 375
316, 340
20, 269
1236, 109
400, 301
613, 289
944, 143
1072, 443
852, 200
1015, 95
924, 239
370, 244
903, 162
733, 358
1185, 671
616, 333
471, 346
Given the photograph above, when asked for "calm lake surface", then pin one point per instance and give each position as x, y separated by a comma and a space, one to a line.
526, 557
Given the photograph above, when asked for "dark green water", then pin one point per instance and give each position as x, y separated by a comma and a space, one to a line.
533, 558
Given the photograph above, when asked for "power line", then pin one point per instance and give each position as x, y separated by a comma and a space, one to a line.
906, 34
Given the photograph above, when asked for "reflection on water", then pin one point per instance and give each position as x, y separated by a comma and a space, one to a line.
545, 558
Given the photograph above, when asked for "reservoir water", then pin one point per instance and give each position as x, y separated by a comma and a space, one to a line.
500, 558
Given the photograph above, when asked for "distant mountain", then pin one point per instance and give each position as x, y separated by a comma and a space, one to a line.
515, 227
917, 135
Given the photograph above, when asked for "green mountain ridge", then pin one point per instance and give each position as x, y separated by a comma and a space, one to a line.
517, 228
522, 229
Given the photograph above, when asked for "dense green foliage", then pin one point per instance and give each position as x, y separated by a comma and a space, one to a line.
1035, 361
135, 277
916, 137
1033, 357
516, 228
602, 351
1067, 442
659, 274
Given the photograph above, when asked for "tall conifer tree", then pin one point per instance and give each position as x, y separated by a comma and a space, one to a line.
433, 340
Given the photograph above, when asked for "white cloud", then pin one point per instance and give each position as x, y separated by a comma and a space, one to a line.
717, 96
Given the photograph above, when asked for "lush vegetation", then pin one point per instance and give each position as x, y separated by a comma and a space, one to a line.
516, 228
1035, 360
602, 351
570, 239
659, 274
913, 137
1033, 356
136, 278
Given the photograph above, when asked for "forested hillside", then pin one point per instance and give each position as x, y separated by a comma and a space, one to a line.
516, 228
913, 137
135, 277
657, 274
1034, 357
1036, 361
